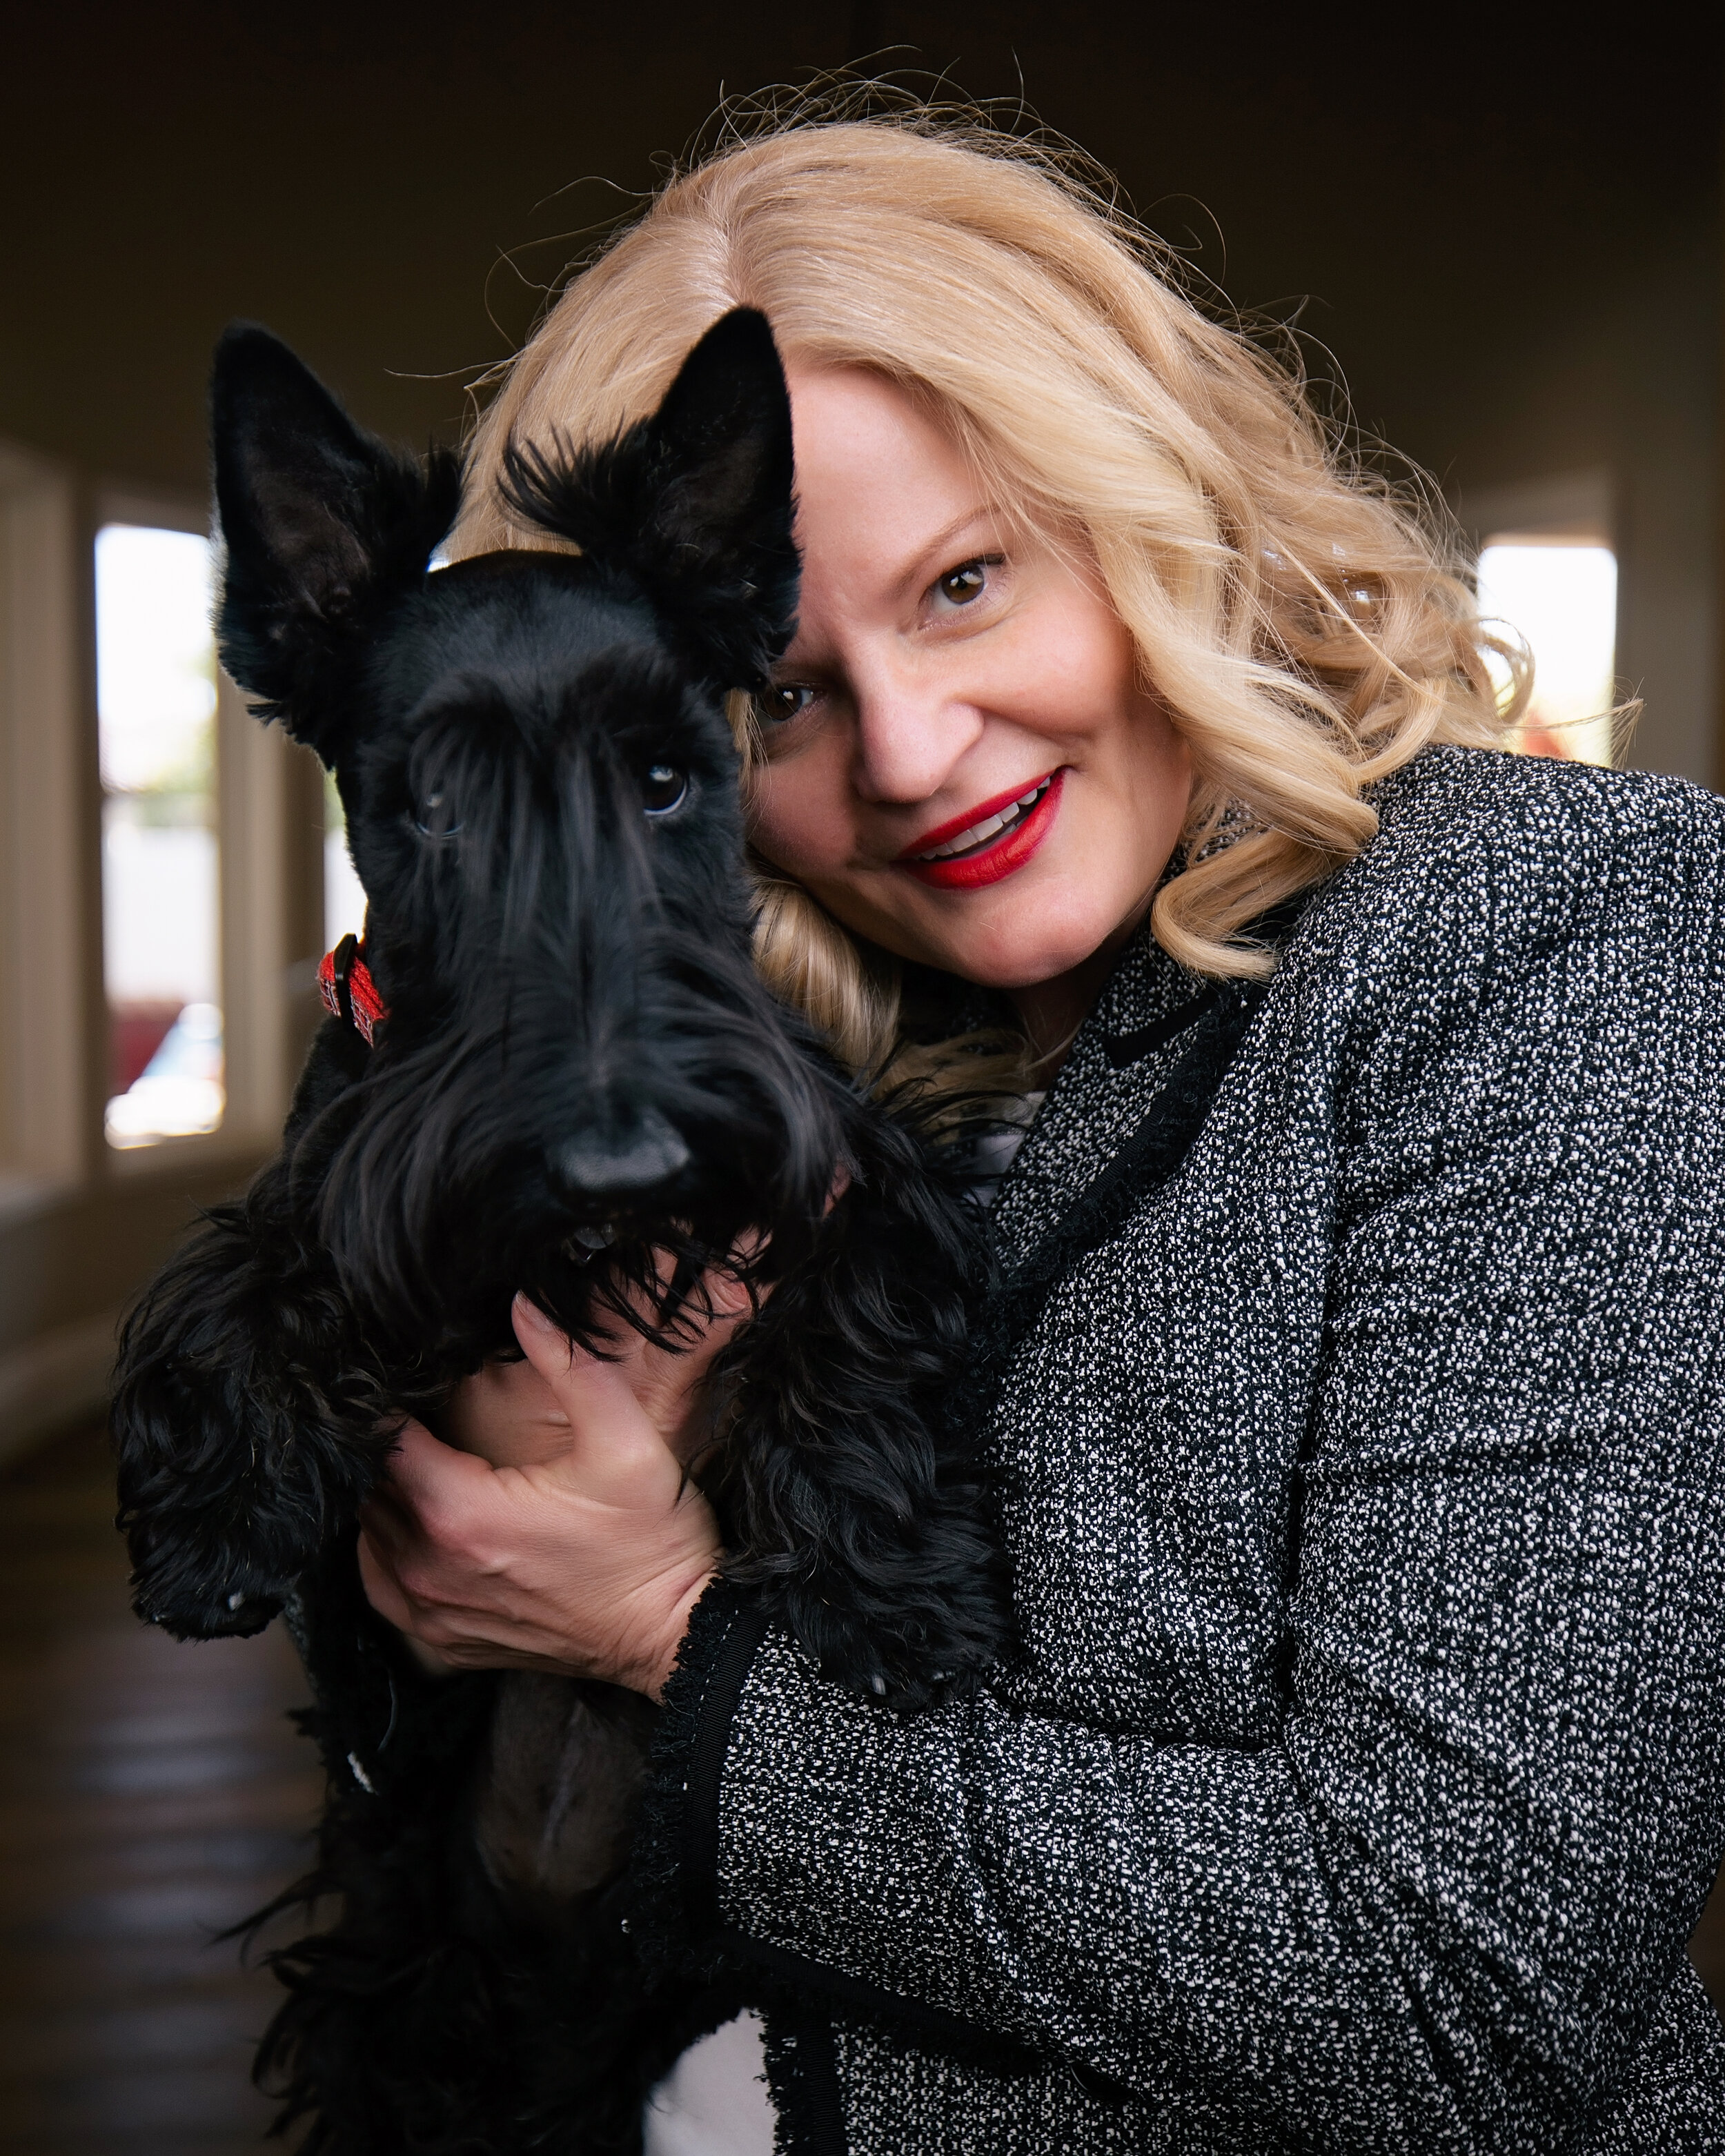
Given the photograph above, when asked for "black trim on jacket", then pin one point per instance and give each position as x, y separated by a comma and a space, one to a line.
681, 1924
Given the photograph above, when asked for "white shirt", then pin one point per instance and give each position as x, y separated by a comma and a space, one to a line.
714, 2101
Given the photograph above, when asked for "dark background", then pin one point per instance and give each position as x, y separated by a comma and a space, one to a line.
1461, 202
1498, 229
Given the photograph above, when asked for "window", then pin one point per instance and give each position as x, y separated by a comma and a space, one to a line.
1548, 571
1559, 591
189, 1040
344, 896
155, 694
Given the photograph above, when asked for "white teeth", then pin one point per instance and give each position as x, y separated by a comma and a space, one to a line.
990, 826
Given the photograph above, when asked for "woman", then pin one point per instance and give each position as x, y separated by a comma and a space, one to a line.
1356, 1782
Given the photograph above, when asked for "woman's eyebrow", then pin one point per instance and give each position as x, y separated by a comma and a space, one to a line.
937, 542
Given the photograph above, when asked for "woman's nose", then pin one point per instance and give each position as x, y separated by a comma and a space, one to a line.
910, 733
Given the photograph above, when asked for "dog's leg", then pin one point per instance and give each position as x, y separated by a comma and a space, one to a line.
477, 1986
250, 1416
246, 1420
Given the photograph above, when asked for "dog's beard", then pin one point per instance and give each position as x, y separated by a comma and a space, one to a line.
581, 1070
440, 1201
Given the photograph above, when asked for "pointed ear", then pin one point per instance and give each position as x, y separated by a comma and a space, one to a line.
323, 524
694, 505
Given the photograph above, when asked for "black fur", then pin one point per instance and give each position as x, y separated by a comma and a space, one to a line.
579, 1065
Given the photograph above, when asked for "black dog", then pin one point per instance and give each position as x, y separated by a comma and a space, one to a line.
552, 1060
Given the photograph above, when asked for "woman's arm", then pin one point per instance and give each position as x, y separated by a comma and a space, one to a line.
1437, 1909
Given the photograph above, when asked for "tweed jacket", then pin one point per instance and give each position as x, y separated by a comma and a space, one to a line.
1357, 1779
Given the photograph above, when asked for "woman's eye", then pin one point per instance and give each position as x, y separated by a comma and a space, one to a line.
783, 701
663, 789
969, 582
435, 817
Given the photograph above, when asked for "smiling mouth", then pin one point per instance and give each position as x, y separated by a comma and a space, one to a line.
988, 828
998, 838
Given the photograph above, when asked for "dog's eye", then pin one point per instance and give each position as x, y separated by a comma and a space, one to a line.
663, 789
435, 817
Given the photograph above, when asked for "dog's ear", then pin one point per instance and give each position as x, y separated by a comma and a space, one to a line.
322, 524
694, 505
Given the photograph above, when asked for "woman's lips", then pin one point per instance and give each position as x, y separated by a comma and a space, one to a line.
987, 842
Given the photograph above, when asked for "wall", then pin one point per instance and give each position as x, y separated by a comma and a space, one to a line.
81, 1226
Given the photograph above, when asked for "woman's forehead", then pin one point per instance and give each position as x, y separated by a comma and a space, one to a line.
879, 485
854, 418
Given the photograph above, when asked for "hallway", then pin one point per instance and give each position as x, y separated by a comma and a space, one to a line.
151, 1793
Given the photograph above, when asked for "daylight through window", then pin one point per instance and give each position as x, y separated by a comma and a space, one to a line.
155, 682
1560, 592
344, 896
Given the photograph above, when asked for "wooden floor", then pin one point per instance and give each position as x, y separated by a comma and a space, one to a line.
151, 1793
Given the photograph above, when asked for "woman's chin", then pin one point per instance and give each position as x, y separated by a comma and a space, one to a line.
1038, 925
1022, 944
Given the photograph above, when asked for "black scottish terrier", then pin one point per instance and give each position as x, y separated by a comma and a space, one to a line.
552, 1062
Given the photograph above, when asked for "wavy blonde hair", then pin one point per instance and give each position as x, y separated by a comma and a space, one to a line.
1296, 615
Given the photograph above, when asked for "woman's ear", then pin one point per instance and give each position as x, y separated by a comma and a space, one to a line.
694, 506
321, 522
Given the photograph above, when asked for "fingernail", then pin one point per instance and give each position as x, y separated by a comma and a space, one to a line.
533, 1315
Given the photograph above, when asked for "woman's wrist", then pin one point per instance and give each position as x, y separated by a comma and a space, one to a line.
653, 1672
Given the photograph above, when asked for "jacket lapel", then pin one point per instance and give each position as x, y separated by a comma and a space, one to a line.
1122, 1060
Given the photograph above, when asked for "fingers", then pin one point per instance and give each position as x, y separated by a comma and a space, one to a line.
586, 1565
506, 1413
578, 1381
405, 1573
437, 1657
617, 1455
428, 1481
649, 1401
383, 1589
728, 1296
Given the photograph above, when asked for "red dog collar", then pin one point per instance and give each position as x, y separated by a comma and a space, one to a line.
345, 983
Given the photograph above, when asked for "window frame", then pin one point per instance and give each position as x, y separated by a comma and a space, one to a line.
1579, 507
264, 923
46, 711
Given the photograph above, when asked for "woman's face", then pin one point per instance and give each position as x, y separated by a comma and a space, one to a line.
959, 763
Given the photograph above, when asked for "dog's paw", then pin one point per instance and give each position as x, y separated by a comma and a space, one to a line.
200, 1608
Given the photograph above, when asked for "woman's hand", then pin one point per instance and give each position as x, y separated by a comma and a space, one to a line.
587, 1557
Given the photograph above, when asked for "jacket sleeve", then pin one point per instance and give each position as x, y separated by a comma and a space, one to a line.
1439, 1907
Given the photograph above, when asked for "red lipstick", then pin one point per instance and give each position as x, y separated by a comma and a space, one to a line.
1023, 818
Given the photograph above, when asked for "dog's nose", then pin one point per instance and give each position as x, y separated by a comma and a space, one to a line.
630, 1153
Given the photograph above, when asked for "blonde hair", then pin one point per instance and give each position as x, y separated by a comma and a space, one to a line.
1293, 613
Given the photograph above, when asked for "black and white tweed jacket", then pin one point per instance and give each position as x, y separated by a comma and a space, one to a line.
1361, 1456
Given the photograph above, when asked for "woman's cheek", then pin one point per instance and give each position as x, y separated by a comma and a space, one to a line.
800, 815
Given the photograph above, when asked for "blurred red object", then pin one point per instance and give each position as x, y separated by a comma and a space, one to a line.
134, 1033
